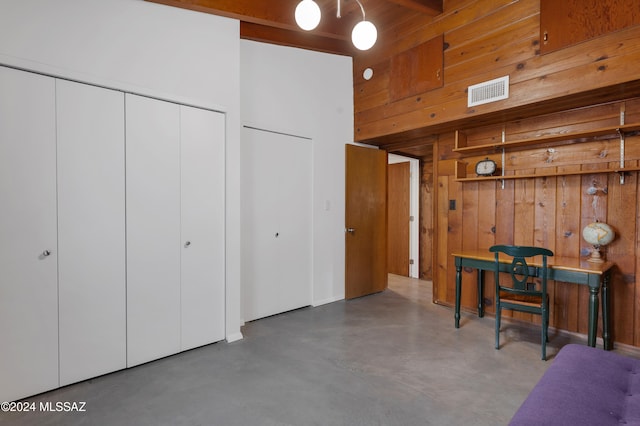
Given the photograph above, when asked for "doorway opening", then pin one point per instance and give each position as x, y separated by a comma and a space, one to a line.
403, 240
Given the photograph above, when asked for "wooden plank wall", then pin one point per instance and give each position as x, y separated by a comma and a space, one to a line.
483, 40
547, 211
486, 39
426, 224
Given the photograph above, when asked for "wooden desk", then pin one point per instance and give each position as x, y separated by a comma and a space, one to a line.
572, 270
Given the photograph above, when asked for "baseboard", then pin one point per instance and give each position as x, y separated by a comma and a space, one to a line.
621, 348
574, 337
234, 337
317, 303
629, 350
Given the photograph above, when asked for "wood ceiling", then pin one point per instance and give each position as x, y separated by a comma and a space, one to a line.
272, 21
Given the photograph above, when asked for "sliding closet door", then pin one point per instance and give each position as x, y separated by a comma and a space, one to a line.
175, 228
295, 222
276, 222
28, 249
260, 224
91, 230
202, 136
153, 228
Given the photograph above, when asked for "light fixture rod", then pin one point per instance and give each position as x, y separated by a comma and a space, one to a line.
363, 35
361, 8
359, 4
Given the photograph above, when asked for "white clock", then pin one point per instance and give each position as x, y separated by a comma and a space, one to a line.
486, 167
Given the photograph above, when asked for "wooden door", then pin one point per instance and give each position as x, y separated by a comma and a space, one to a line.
365, 221
398, 179
153, 229
202, 227
91, 231
28, 241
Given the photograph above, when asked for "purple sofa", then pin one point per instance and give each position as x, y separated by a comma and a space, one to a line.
584, 386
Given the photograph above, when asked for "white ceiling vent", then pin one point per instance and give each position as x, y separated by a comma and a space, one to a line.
489, 91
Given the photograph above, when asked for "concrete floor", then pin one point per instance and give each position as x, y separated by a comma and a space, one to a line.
393, 358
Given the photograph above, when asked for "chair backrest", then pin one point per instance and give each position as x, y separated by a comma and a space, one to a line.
519, 270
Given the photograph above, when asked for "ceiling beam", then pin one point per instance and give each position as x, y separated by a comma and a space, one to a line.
429, 7
259, 12
272, 21
278, 14
283, 37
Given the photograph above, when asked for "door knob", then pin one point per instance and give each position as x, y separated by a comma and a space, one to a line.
351, 230
46, 253
187, 244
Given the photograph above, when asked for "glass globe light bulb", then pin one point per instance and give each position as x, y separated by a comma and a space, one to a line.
364, 35
307, 15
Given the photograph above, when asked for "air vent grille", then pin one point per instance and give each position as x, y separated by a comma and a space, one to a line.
489, 91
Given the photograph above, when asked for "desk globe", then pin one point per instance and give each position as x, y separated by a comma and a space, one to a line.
597, 234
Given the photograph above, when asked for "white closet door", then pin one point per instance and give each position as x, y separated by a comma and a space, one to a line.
259, 224
91, 231
295, 240
153, 229
28, 251
276, 223
203, 256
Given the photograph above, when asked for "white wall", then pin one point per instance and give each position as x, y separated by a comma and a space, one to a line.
198, 59
145, 48
307, 94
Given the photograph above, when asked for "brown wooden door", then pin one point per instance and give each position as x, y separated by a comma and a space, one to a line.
365, 221
398, 176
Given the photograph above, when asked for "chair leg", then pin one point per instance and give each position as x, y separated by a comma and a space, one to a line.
547, 312
545, 337
498, 312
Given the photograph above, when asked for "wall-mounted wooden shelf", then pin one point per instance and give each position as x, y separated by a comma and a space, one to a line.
461, 173
614, 131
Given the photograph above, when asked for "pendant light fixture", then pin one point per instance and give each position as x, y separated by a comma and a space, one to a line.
363, 36
307, 15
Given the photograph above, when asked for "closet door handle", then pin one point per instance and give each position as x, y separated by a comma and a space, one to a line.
351, 230
46, 253
187, 244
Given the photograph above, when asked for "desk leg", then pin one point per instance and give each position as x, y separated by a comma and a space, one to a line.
458, 288
593, 315
480, 293
606, 336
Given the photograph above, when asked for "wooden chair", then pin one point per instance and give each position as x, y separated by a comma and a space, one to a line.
521, 293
